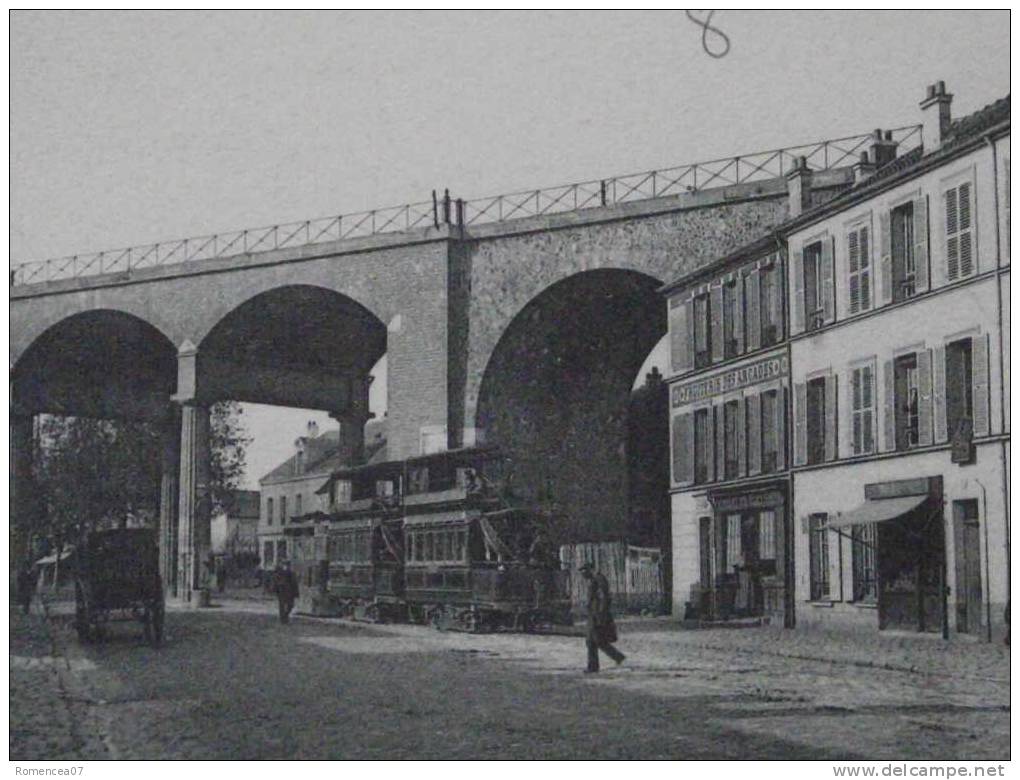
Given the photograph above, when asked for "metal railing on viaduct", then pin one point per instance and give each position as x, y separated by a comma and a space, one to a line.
596, 193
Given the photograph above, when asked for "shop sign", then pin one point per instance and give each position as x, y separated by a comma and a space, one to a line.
752, 374
747, 501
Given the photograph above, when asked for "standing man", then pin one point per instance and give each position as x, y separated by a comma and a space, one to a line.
26, 587
601, 627
286, 589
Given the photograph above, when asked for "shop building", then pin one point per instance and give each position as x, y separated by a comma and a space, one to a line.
898, 293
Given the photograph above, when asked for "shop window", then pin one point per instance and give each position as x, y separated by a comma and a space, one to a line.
859, 268
863, 552
702, 331
770, 421
959, 387
281, 550
862, 403
267, 554
815, 421
730, 444
814, 286
702, 444
908, 397
734, 551
771, 315
767, 535
269, 511
904, 260
818, 552
959, 239
730, 320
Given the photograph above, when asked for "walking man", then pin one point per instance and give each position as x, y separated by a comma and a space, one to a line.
601, 627
286, 589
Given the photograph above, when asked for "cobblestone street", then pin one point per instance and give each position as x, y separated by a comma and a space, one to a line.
231, 682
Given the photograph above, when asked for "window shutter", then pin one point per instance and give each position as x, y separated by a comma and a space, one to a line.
741, 440
753, 441
979, 373
683, 449
864, 276
680, 335
717, 323
710, 445
890, 406
828, 285
885, 250
778, 299
689, 318
850, 440
782, 401
939, 395
752, 301
831, 410
853, 265
950, 202
921, 243
924, 410
799, 424
968, 264
738, 312
797, 326
720, 441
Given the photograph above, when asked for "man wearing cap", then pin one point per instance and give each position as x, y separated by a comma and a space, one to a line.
286, 589
601, 627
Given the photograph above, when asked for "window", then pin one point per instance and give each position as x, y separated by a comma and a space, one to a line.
702, 444
732, 449
859, 268
283, 510
731, 320
863, 541
818, 552
814, 286
907, 399
297, 507
816, 413
281, 549
269, 511
734, 553
862, 410
904, 265
702, 331
959, 386
769, 433
959, 238
767, 535
771, 316
267, 554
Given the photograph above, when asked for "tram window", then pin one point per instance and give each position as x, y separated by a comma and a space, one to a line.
458, 540
419, 546
449, 546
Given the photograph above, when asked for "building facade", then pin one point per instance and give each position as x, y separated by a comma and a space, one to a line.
728, 399
235, 531
899, 302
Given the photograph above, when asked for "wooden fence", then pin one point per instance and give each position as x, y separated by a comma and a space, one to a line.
634, 574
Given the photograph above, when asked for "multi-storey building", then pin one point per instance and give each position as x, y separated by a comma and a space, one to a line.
728, 398
899, 303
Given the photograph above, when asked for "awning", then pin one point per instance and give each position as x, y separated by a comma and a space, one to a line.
877, 511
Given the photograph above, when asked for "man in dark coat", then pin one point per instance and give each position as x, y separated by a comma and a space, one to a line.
286, 589
601, 627
26, 587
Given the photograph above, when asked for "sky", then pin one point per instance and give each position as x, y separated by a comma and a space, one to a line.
135, 127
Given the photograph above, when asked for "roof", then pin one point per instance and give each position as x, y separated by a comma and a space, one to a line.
245, 504
321, 457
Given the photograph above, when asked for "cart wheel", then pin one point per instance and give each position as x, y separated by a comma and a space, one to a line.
82, 615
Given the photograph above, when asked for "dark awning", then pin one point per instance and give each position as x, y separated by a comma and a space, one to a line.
877, 511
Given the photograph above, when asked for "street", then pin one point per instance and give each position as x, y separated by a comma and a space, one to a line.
233, 683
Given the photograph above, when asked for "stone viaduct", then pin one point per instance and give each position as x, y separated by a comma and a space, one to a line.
527, 333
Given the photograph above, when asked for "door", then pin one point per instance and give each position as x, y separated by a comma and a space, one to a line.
704, 605
968, 566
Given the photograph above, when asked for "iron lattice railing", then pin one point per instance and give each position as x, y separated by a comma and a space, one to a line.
597, 193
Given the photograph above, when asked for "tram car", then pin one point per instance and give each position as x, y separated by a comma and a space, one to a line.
474, 560
364, 542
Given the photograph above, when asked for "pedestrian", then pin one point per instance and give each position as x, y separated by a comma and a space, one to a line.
601, 626
26, 587
286, 589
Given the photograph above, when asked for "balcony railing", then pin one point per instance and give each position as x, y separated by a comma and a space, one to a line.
597, 193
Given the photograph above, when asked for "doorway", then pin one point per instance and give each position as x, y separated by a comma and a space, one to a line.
967, 546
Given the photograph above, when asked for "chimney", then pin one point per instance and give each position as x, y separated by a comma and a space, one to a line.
882, 148
935, 117
313, 429
798, 187
864, 169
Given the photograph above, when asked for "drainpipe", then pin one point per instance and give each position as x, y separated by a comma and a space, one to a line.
988, 596
1002, 405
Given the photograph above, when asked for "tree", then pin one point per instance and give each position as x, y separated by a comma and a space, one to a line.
228, 444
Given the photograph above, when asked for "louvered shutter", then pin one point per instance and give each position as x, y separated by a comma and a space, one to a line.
710, 444
683, 449
752, 301
680, 335
781, 405
741, 440
851, 437
939, 395
885, 251
753, 434
738, 312
718, 350
968, 259
890, 406
864, 275
720, 441
828, 280
799, 424
951, 205
921, 243
797, 326
924, 392
979, 372
853, 265
831, 412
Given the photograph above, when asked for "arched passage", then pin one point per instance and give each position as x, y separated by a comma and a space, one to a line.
556, 389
